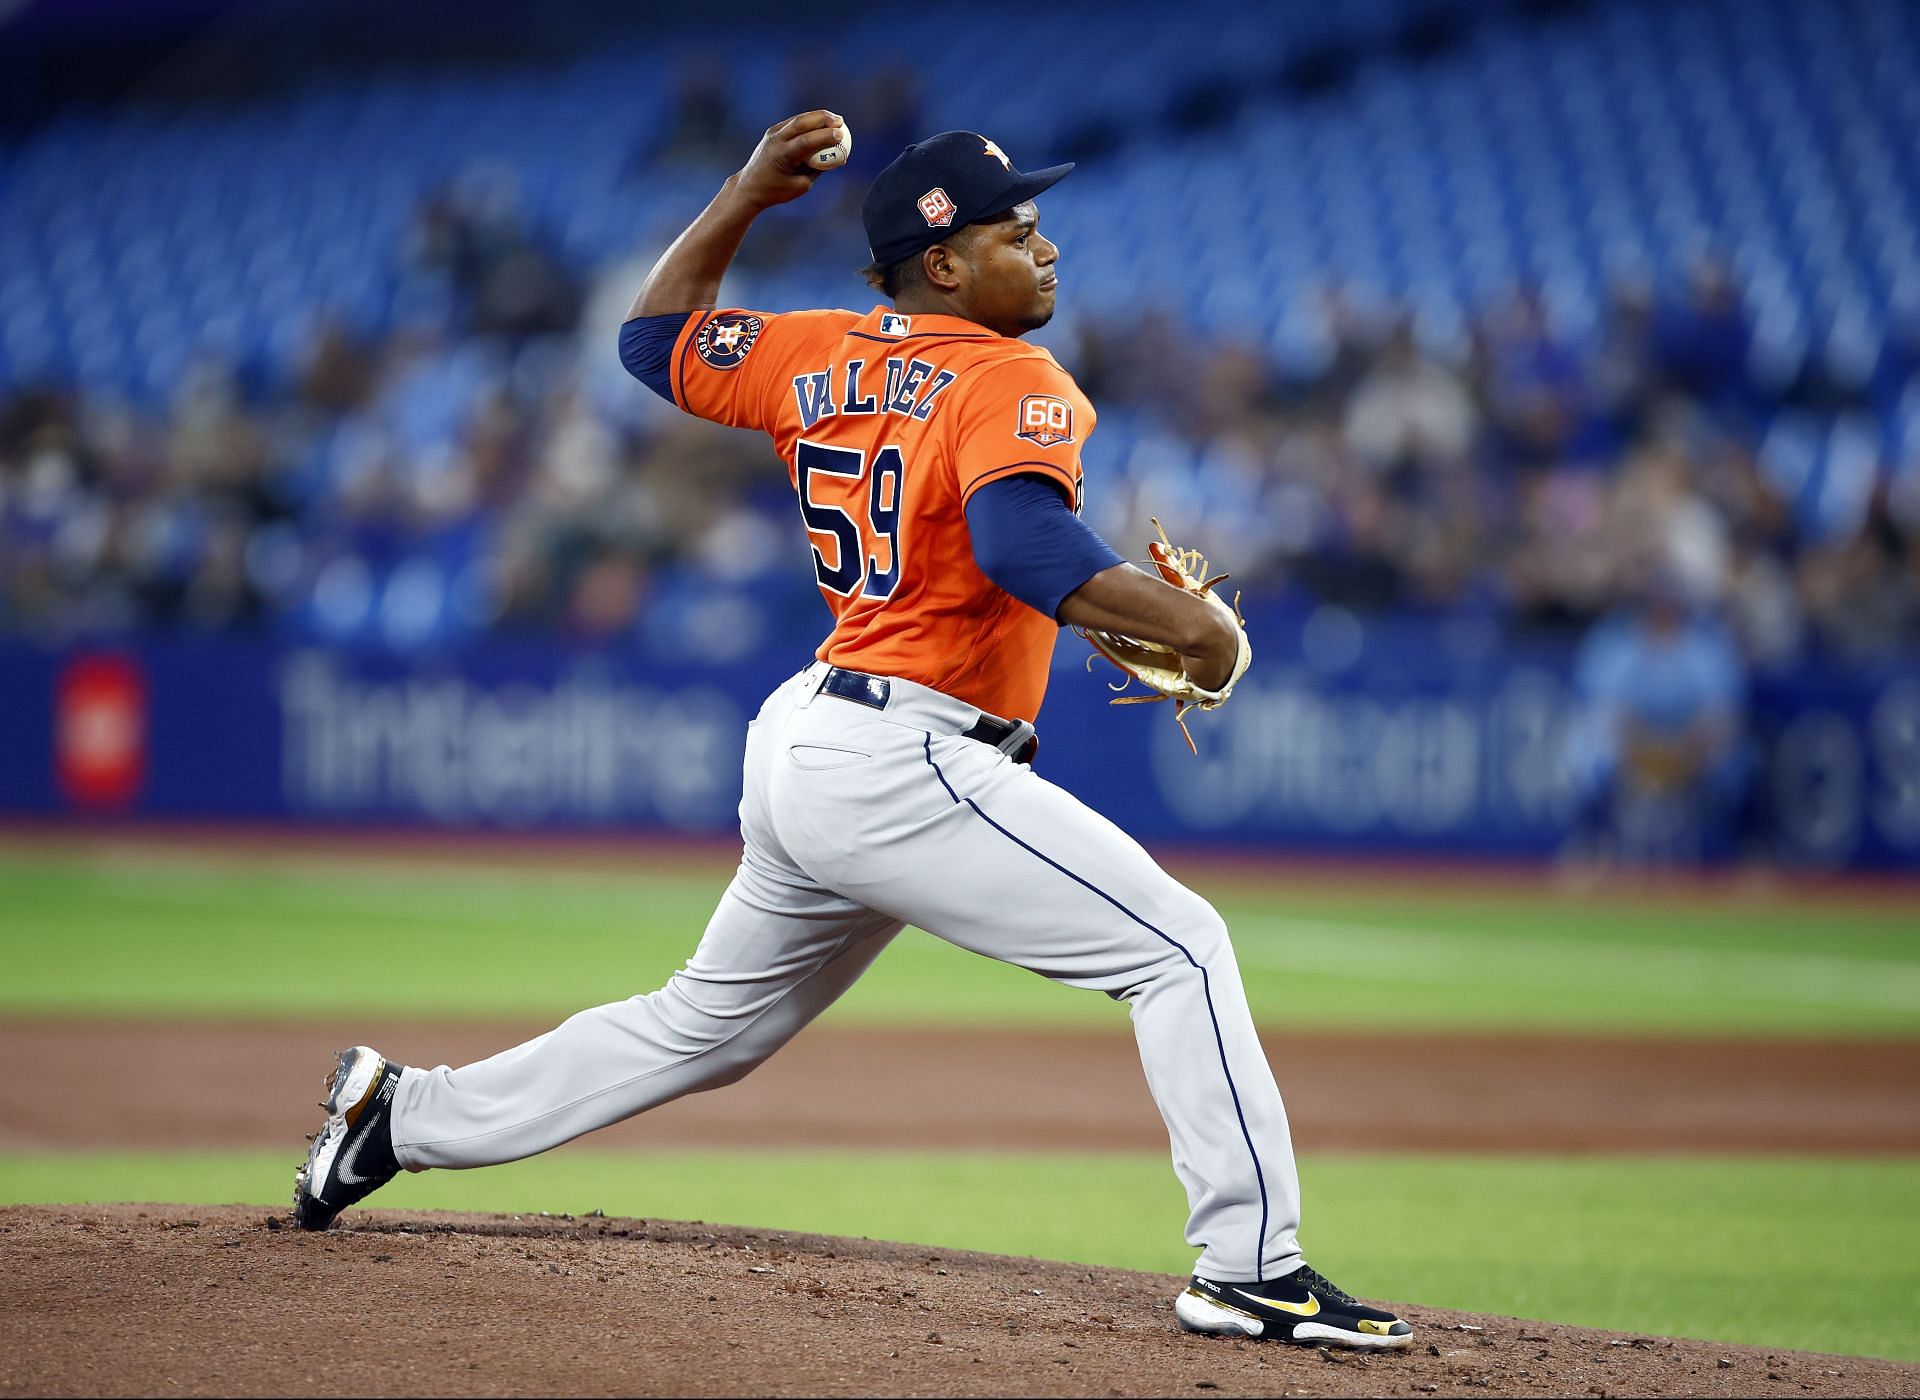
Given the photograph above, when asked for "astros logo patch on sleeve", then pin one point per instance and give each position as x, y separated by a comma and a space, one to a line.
1045, 420
724, 340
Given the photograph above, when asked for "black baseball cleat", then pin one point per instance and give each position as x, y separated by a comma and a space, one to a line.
1300, 1307
352, 1156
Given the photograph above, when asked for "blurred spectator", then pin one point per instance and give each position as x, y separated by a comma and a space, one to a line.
1409, 408
606, 596
1624, 374
335, 371
1702, 342
471, 236
1658, 756
1862, 593
1536, 389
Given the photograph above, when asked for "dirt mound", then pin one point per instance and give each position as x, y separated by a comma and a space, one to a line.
149, 1300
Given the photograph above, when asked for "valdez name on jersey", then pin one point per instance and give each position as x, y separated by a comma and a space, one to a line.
912, 388
903, 393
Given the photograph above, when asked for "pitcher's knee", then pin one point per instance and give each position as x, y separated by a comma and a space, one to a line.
719, 1049
1188, 936
670, 1021
1201, 930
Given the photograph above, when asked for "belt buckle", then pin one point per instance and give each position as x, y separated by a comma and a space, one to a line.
857, 686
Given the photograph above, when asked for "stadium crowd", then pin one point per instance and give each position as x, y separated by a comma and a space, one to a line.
478, 468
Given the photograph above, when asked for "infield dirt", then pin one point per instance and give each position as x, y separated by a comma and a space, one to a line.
843, 1087
164, 1300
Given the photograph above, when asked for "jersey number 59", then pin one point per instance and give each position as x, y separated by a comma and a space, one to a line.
830, 481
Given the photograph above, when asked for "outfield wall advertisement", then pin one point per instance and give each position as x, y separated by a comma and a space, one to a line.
1407, 745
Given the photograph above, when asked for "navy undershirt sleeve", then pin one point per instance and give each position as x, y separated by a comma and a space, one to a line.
646, 349
1028, 542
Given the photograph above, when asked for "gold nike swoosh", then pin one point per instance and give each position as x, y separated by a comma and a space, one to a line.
1306, 1309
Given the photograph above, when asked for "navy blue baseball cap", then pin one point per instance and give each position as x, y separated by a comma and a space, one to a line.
941, 184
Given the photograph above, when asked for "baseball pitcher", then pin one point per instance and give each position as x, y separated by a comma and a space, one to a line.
935, 458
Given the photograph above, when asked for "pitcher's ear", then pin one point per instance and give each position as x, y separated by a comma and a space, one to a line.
942, 267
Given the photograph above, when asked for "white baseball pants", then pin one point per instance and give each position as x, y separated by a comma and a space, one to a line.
856, 822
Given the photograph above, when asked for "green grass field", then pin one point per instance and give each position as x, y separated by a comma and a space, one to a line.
133, 934
1790, 1253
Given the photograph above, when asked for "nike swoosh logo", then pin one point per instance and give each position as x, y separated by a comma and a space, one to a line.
1306, 1309
348, 1158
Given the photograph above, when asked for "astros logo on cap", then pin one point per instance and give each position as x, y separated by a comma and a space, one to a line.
936, 208
994, 150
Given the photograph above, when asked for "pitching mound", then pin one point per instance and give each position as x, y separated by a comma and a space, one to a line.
161, 1300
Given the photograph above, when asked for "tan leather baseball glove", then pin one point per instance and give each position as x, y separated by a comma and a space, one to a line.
1158, 667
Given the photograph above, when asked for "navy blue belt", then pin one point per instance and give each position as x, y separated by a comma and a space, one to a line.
872, 691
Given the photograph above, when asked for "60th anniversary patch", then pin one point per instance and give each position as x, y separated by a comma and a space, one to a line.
724, 340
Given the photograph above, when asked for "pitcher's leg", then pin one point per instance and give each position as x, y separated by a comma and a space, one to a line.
988, 856
774, 956
1229, 1164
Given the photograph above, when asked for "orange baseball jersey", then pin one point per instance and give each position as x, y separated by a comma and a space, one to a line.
888, 424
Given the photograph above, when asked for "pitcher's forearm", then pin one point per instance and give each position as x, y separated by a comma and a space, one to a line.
1133, 602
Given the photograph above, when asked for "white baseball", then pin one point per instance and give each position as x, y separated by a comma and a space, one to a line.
835, 154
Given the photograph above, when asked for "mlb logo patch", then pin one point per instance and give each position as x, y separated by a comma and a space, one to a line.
936, 208
725, 339
1045, 420
891, 324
